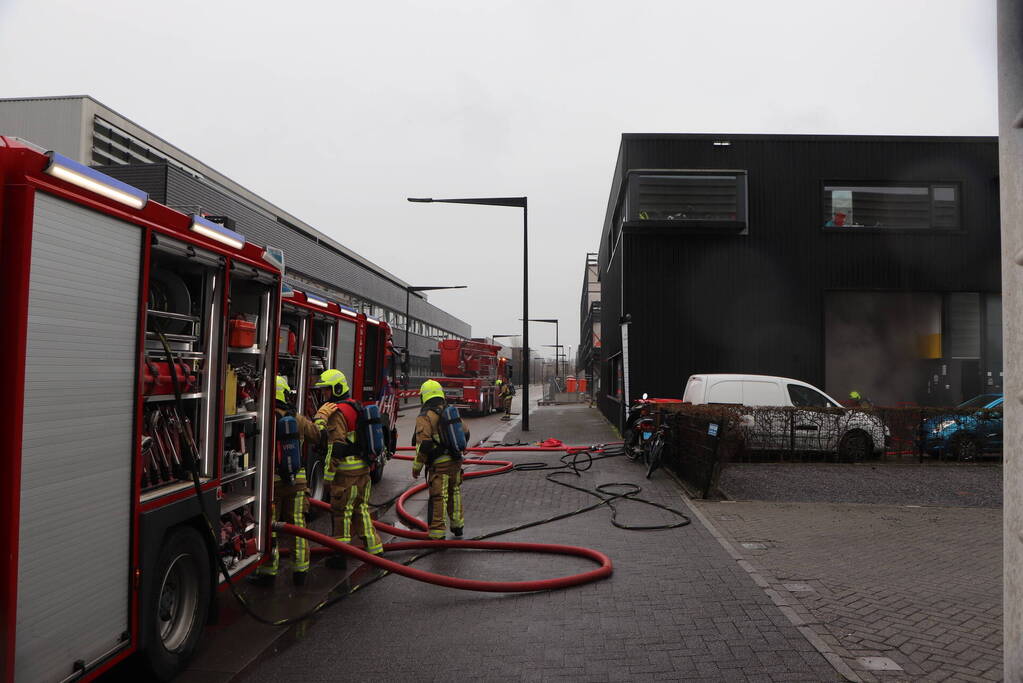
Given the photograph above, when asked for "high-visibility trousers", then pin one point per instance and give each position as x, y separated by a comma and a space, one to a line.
291, 502
349, 502
445, 482
507, 405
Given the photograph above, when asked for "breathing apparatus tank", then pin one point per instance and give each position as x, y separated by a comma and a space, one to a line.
289, 448
372, 431
452, 433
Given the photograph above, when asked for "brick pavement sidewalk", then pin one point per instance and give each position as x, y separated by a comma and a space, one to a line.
920, 586
678, 607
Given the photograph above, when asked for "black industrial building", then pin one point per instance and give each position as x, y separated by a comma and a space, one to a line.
587, 360
851, 262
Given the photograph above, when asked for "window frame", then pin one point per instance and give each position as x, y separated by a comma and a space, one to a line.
632, 183
931, 185
614, 363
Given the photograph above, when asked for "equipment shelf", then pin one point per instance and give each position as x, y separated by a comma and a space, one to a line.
158, 352
173, 316
241, 474
288, 356
233, 501
170, 397
238, 417
244, 349
168, 489
190, 338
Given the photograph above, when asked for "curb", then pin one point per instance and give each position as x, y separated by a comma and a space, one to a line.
783, 603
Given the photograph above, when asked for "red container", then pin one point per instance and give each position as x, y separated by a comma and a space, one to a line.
570, 384
156, 379
582, 385
241, 333
287, 341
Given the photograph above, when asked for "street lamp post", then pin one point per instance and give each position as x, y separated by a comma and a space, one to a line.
557, 357
520, 202
557, 363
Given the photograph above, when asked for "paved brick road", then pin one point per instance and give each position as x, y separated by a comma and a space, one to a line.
930, 483
678, 607
919, 585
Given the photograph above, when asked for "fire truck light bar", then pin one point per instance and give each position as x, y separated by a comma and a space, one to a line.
89, 179
348, 309
316, 302
217, 232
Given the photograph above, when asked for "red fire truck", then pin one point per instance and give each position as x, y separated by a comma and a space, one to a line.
109, 301
317, 333
471, 370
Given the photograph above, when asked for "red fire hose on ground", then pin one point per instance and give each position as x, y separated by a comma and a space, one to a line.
574, 460
420, 542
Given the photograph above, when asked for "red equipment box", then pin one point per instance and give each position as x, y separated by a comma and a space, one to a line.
241, 333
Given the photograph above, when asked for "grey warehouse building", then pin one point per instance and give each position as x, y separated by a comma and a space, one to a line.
91, 133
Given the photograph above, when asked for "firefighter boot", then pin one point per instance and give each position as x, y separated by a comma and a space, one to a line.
457, 531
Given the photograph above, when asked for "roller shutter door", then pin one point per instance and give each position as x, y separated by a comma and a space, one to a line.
75, 526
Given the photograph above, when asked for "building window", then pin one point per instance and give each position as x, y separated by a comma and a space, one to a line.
616, 388
708, 199
890, 206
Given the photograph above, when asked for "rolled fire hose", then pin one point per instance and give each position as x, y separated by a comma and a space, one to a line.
603, 571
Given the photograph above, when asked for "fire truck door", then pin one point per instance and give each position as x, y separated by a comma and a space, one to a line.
75, 520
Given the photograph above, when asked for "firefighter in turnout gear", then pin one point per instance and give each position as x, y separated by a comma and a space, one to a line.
443, 468
506, 398
346, 470
290, 493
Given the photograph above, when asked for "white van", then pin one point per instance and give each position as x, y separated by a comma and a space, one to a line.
852, 434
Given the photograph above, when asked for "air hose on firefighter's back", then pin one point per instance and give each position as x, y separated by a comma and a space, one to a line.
421, 540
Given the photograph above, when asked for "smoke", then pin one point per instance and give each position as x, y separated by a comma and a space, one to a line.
872, 343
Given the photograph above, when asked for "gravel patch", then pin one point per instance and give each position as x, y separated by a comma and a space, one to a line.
944, 485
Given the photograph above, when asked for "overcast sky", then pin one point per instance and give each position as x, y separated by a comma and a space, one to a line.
337, 111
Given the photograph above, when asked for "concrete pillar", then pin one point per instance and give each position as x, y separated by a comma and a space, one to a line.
1010, 131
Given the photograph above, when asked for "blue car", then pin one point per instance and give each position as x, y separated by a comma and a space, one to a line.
975, 429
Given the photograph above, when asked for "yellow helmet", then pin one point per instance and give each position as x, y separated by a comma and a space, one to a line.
499, 382
282, 389
855, 395
431, 389
336, 380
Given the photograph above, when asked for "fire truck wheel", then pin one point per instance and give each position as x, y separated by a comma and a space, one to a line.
179, 602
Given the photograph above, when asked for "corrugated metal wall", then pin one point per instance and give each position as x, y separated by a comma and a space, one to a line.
302, 254
52, 123
754, 303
